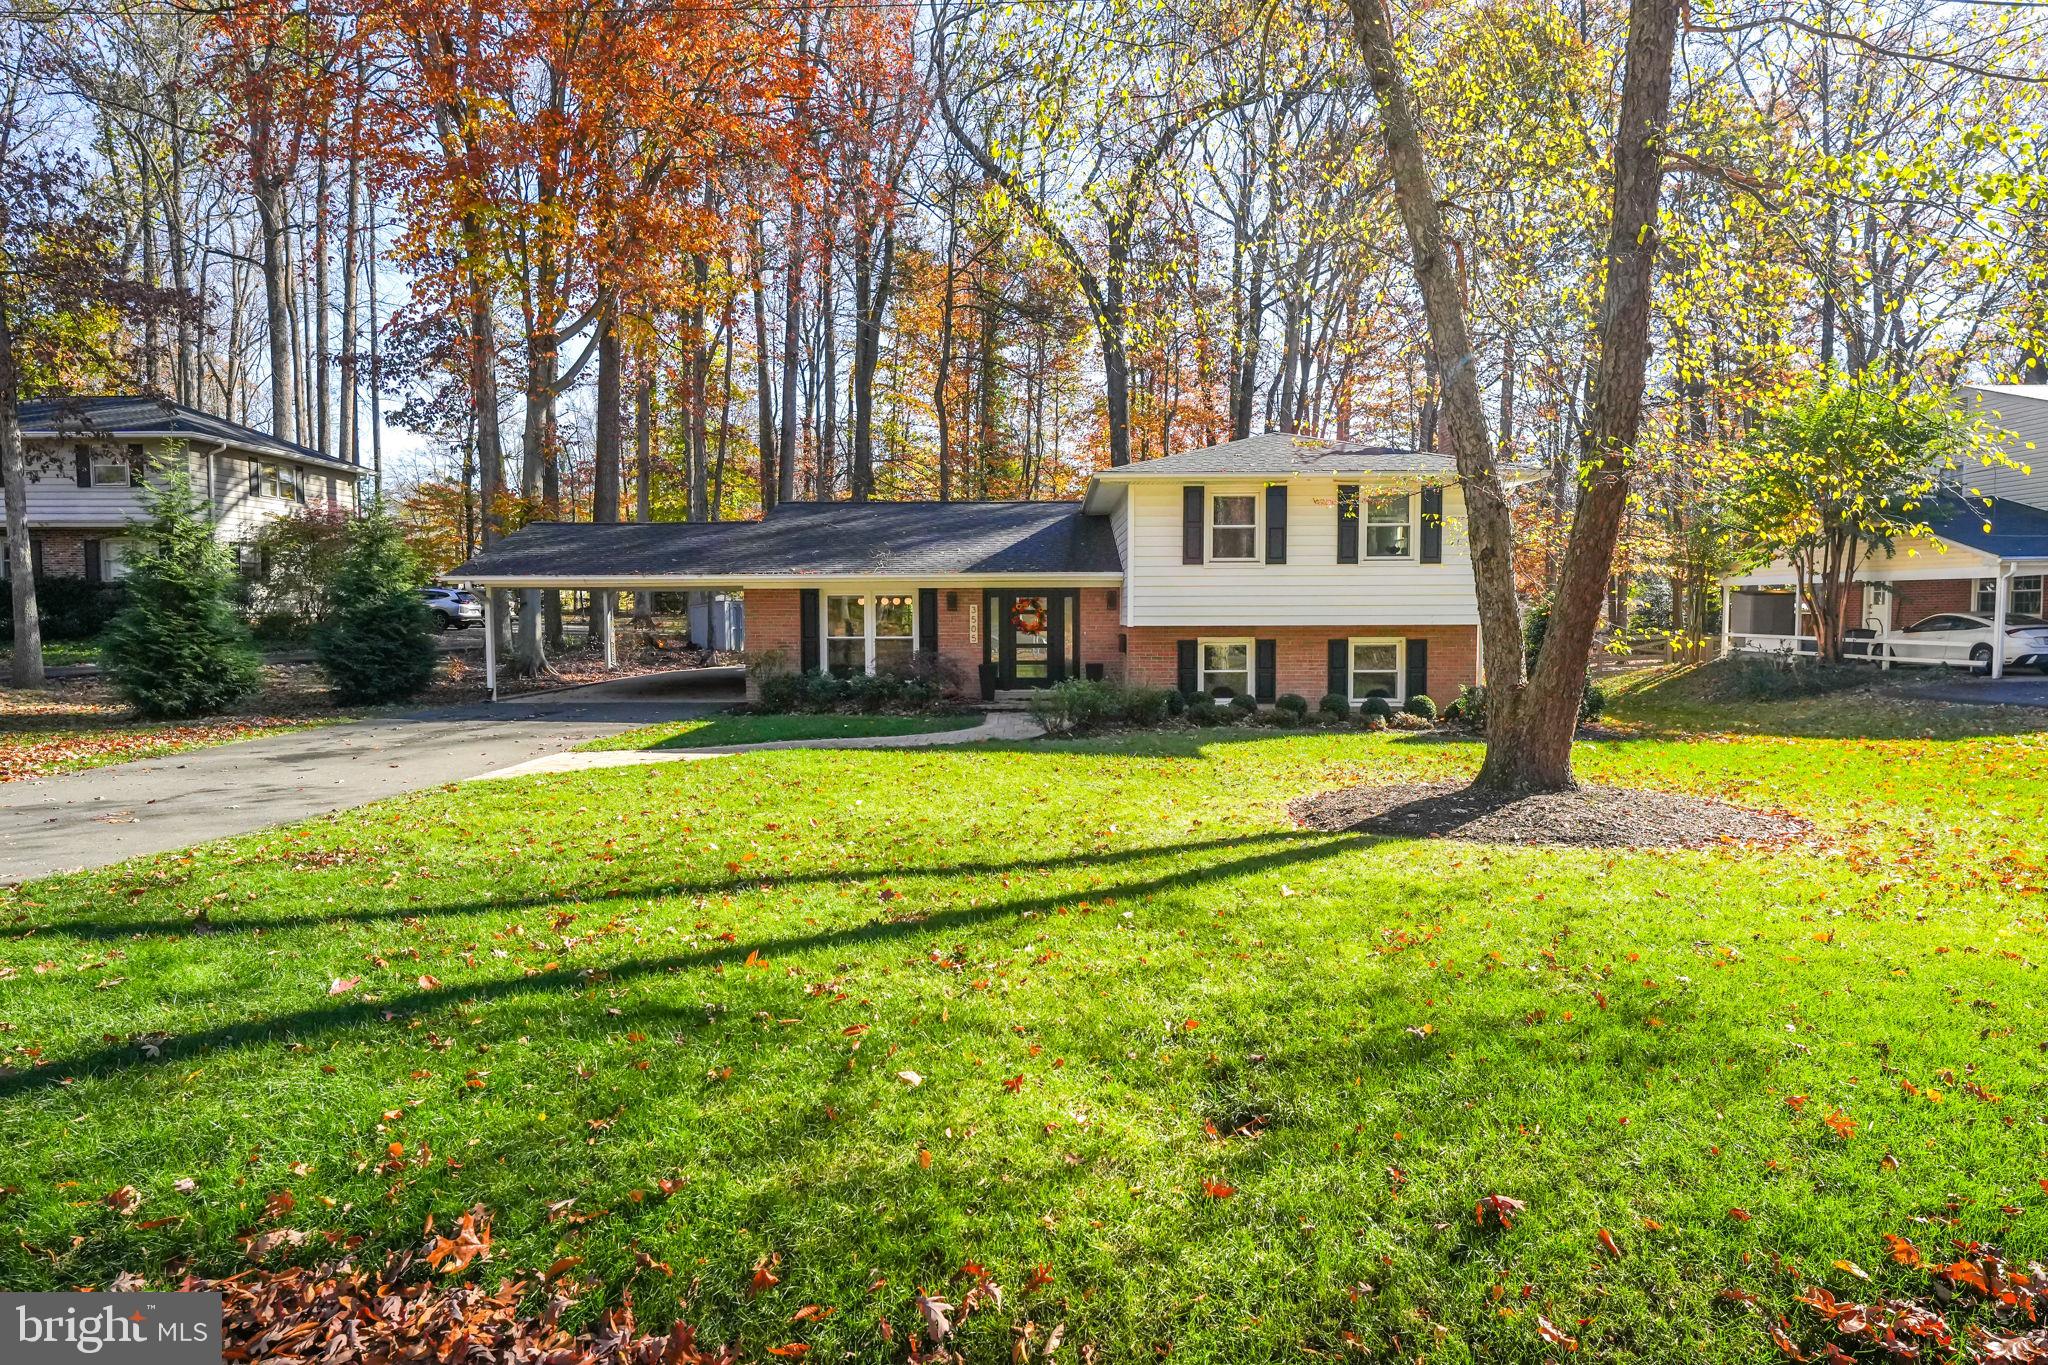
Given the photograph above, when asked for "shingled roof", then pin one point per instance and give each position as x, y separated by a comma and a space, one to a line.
811, 540
132, 417
1278, 453
2018, 531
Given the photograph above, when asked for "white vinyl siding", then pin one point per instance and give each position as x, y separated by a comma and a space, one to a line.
56, 502
2026, 417
1311, 588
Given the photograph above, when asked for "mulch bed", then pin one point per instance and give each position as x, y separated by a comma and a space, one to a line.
1591, 817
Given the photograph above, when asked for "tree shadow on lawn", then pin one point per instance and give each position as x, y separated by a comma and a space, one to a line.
1295, 849
181, 927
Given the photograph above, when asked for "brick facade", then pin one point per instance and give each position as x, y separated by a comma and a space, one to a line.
1302, 654
1920, 597
774, 624
1139, 654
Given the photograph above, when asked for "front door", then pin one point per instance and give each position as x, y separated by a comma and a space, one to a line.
1027, 638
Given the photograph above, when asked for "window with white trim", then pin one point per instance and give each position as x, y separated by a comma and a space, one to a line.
2024, 600
1225, 664
113, 560
1386, 526
868, 632
1375, 670
846, 633
111, 471
1234, 526
895, 632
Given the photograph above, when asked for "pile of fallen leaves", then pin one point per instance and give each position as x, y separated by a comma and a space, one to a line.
24, 755
398, 1311
1979, 1282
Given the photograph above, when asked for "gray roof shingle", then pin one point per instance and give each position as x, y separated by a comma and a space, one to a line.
128, 416
1279, 453
814, 539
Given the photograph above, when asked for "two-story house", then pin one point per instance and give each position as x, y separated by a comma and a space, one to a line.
1265, 566
87, 459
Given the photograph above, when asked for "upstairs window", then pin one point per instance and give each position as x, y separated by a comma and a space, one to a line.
110, 471
1386, 526
1234, 526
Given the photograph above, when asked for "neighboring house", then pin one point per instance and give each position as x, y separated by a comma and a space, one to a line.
87, 458
1266, 566
1985, 558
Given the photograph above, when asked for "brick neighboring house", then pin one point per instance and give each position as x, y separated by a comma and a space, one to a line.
87, 458
1988, 559
1266, 566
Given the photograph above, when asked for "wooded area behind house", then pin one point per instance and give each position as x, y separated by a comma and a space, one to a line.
683, 261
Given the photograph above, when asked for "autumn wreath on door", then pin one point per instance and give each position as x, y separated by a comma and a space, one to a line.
1027, 616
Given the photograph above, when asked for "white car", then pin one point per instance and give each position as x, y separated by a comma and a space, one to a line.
1963, 638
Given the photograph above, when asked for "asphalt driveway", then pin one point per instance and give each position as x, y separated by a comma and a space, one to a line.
97, 817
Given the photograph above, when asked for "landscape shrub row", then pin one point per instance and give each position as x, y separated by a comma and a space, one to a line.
1078, 707
929, 685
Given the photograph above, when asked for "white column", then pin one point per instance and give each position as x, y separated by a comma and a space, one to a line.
607, 617
491, 642
1727, 596
2001, 590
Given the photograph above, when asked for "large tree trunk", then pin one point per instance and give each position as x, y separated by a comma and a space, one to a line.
792, 325
26, 669
1530, 725
277, 311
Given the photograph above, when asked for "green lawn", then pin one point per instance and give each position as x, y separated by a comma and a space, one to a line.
1187, 1077
717, 731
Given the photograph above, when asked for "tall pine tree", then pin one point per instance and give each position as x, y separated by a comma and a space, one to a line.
180, 648
377, 643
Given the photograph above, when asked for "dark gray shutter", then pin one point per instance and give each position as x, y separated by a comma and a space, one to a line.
92, 561
1266, 658
1184, 651
1340, 667
255, 479
1418, 667
1347, 523
808, 655
1276, 523
928, 620
84, 462
1433, 525
1191, 524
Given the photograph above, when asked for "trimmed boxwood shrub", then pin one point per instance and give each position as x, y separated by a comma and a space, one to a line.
1376, 708
1244, 706
1202, 710
1289, 703
1421, 704
1335, 705
69, 608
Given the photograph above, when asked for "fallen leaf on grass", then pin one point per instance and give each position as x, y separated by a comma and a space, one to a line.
937, 1315
342, 985
125, 1200
1217, 1190
1607, 1240
1555, 1335
910, 1078
764, 1277
1500, 1206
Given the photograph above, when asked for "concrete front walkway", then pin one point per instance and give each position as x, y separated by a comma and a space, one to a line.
997, 725
103, 815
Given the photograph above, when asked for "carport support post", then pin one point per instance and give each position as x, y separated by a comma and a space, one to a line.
607, 627
2003, 586
1727, 594
491, 642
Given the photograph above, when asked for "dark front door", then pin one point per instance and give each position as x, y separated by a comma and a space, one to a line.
1028, 638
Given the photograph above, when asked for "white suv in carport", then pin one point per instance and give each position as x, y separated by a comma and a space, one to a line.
453, 608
